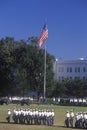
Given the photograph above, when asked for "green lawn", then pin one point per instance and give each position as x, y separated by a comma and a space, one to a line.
60, 112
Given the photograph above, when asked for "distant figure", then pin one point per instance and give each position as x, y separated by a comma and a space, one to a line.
8, 116
54, 100
67, 119
71, 118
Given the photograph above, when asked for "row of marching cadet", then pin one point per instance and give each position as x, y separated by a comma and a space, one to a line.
31, 116
77, 120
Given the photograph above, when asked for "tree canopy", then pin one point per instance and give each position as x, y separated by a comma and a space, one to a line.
22, 66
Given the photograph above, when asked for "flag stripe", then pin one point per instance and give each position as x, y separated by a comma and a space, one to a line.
43, 36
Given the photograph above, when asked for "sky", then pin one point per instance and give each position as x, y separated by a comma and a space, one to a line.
66, 21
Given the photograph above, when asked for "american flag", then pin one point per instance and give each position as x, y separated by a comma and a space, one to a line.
43, 36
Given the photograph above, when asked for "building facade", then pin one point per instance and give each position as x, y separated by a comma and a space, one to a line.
70, 69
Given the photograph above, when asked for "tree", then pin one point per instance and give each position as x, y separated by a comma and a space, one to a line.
22, 67
76, 87
33, 40
6, 60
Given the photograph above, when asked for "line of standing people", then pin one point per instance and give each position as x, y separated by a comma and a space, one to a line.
78, 120
32, 116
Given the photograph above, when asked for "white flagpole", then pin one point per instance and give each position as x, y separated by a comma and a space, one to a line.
45, 73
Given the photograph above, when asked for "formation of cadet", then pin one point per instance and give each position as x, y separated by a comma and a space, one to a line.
78, 120
33, 116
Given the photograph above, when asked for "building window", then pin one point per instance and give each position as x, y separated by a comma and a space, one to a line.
61, 69
77, 69
84, 77
84, 69
62, 78
70, 77
77, 77
69, 69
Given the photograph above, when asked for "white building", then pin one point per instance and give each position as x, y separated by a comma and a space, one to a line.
70, 69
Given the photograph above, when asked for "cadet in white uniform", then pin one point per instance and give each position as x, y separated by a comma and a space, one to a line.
67, 119
8, 116
71, 118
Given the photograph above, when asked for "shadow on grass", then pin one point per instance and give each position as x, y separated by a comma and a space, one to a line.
56, 126
6, 123
32, 124
66, 127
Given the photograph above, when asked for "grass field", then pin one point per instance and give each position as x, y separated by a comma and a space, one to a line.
60, 112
